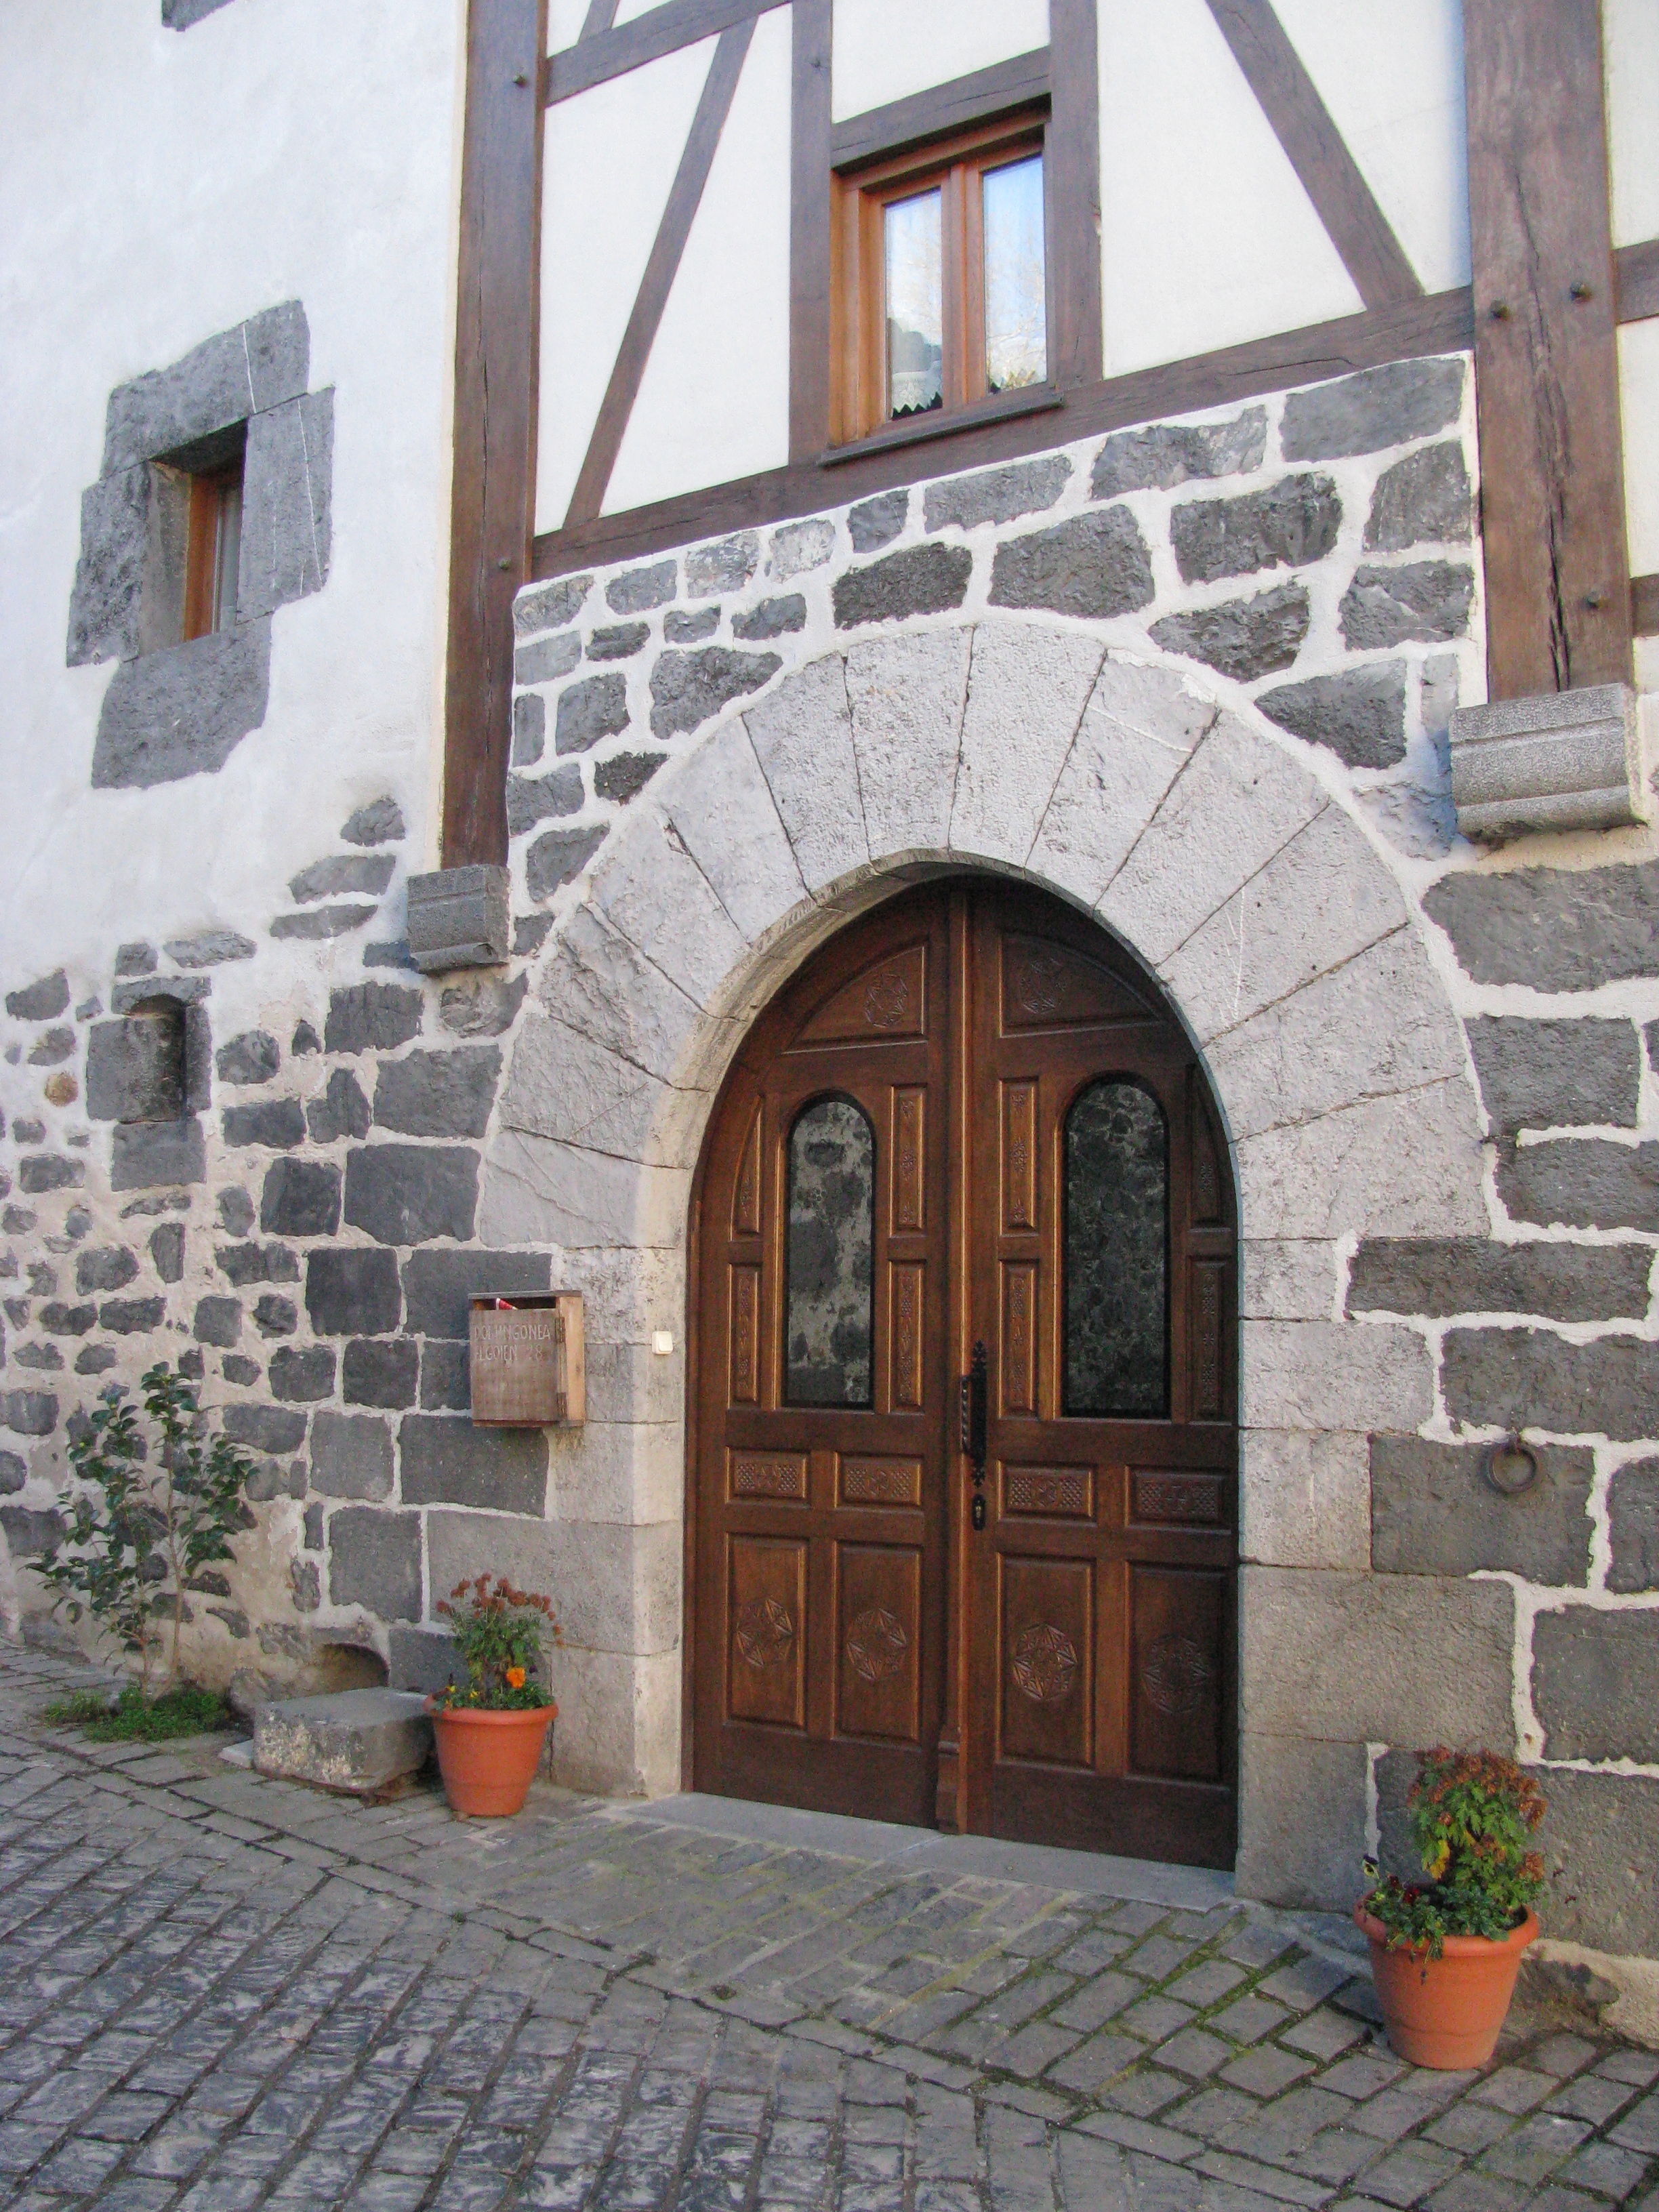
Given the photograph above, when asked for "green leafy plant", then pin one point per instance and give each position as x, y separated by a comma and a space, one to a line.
133, 1718
1473, 1818
499, 1634
145, 1520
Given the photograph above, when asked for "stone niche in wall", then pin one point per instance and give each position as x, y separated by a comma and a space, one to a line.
148, 1073
178, 706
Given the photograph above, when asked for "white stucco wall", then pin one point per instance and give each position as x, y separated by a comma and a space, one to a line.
1630, 33
155, 188
887, 49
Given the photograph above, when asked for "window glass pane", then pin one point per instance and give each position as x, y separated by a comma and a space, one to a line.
1117, 1242
915, 311
1016, 316
832, 1208
228, 553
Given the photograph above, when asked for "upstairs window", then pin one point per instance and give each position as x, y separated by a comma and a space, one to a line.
942, 297
195, 532
214, 550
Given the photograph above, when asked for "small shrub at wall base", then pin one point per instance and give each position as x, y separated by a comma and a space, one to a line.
491, 1725
152, 1511
1445, 1951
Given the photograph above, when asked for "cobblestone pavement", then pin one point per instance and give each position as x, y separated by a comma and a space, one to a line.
219, 1993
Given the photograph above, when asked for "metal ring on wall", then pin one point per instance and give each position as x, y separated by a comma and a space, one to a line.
1509, 1467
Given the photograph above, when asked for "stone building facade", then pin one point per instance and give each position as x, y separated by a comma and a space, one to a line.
1196, 677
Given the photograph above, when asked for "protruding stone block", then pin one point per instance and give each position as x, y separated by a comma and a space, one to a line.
1571, 761
458, 918
357, 1741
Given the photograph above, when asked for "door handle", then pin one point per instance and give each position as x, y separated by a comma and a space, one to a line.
972, 1399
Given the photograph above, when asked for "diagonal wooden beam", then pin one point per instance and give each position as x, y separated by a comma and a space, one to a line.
661, 30
684, 196
1302, 123
601, 15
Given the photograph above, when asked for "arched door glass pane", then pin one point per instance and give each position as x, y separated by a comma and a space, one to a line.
1117, 1182
829, 1272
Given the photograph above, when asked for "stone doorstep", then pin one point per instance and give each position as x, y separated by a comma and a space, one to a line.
357, 1741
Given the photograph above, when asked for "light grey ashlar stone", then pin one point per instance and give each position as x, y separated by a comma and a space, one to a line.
380, 823
545, 659
908, 696
602, 987
1241, 638
1305, 1499
1286, 526
1552, 929
1094, 565
1355, 1658
1138, 728
1585, 1073
1572, 760
1433, 1512
1326, 1375
105, 607
802, 734
1425, 600
616, 1589
1423, 500
1027, 691
262, 363
688, 688
182, 712
550, 606
1359, 713
1301, 1821
438, 1094
1523, 1378
995, 495
359, 1742
1165, 454
651, 891
799, 546
287, 504
1600, 1838
1441, 1276
341, 872
565, 1086
920, 579
1369, 411
1633, 1526
1401, 1166
458, 918
1595, 1683
1581, 1184
726, 565
585, 1201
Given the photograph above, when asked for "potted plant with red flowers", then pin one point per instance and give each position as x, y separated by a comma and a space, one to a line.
1446, 1953
491, 1726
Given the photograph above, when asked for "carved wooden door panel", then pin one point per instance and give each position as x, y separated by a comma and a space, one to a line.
1098, 1666
824, 1385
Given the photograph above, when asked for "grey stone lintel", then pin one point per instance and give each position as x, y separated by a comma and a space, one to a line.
458, 918
1572, 760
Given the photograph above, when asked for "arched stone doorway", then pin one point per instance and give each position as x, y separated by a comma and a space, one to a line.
962, 1446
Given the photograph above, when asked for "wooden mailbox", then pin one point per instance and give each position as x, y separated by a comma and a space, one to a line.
527, 1363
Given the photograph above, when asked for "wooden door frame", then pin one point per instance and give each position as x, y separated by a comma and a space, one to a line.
956, 1786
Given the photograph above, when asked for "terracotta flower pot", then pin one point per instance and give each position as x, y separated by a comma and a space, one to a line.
1446, 2012
489, 1759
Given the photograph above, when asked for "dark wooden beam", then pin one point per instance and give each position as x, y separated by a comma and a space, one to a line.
1438, 324
1644, 606
944, 107
491, 503
1302, 123
1072, 178
809, 228
662, 30
1637, 269
685, 196
1546, 370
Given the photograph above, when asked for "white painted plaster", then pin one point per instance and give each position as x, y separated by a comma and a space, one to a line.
1206, 236
1392, 80
159, 189
1639, 392
1630, 48
886, 49
595, 244
715, 400
565, 19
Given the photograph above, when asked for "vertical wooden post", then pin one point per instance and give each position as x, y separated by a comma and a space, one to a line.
491, 516
1073, 182
1552, 493
809, 231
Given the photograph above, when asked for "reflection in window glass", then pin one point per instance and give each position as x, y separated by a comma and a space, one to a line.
832, 1206
916, 311
1117, 1242
1015, 318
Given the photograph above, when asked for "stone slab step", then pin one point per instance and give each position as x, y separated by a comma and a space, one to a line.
358, 1740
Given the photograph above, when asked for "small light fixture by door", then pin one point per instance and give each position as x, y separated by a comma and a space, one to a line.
662, 1341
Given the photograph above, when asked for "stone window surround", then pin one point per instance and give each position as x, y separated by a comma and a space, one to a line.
179, 710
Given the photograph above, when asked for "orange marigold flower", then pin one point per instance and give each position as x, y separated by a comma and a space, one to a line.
515, 1678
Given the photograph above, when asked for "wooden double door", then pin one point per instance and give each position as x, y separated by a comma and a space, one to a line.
964, 1451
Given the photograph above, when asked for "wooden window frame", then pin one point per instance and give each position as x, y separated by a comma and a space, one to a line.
210, 493
861, 193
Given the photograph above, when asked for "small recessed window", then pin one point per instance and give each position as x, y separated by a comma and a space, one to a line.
195, 547
214, 550
942, 297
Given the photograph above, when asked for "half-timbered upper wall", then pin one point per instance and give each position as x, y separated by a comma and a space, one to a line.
885, 50
1630, 47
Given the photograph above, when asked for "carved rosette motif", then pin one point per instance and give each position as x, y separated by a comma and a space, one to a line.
877, 1644
1175, 1675
887, 1001
764, 1632
1043, 1663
